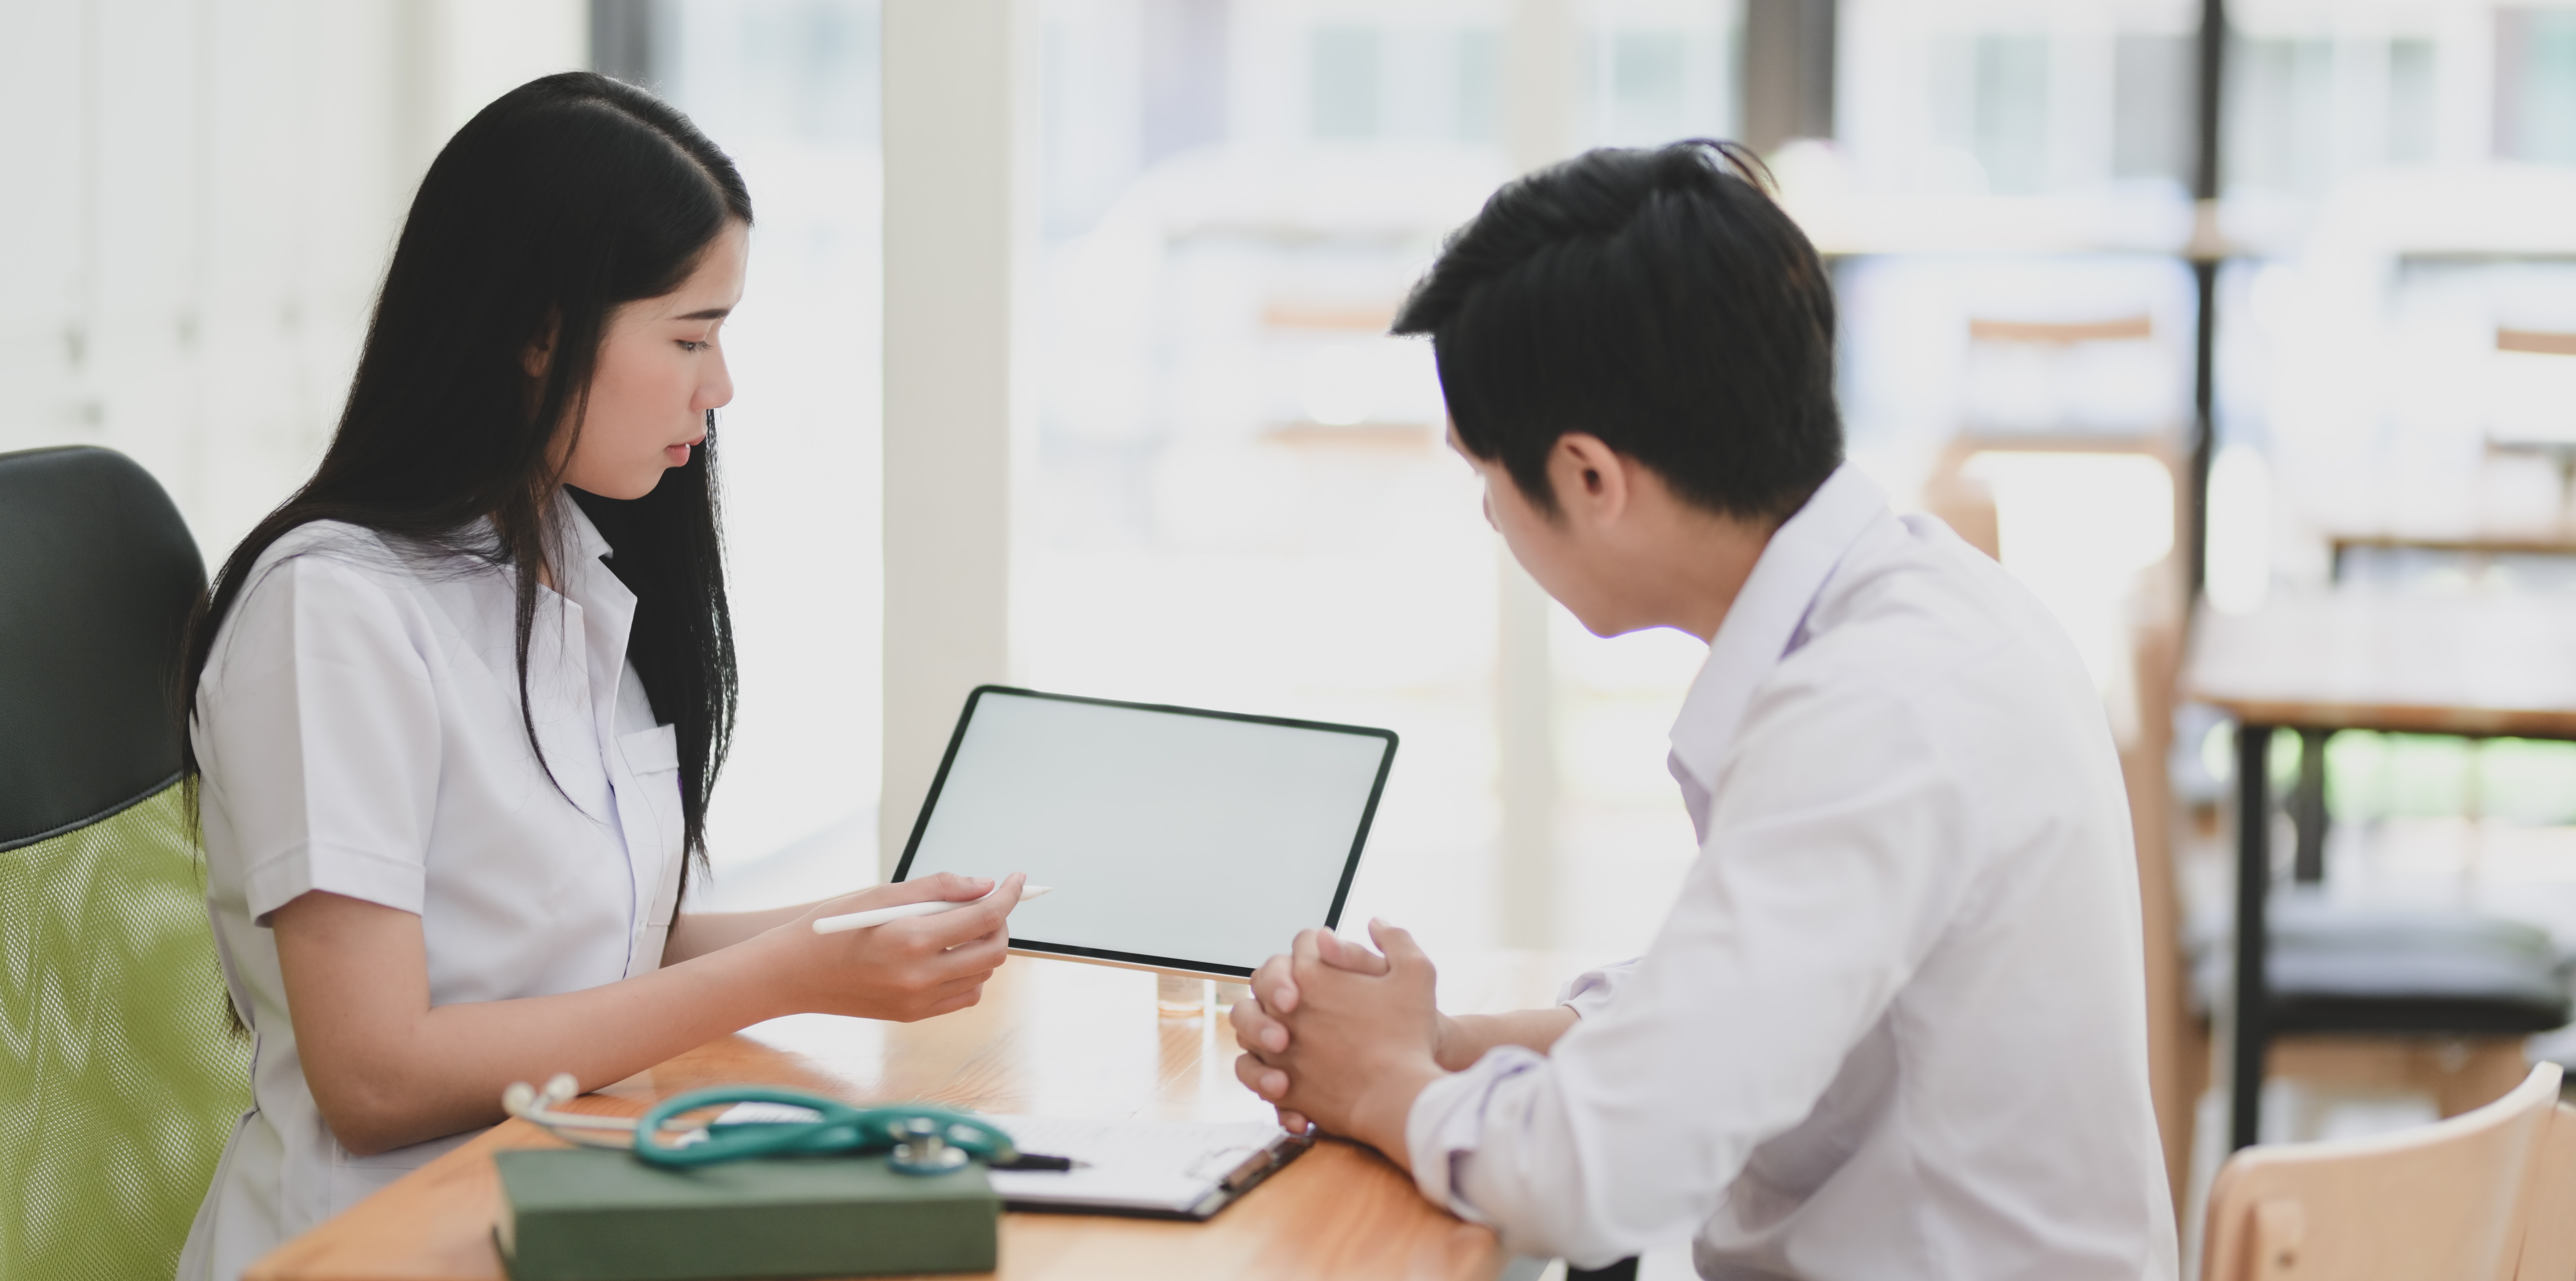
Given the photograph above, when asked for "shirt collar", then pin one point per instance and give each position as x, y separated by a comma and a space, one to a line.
1761, 627
587, 544
607, 606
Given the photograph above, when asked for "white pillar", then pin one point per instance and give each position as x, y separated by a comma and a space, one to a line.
955, 82
1543, 57
1542, 72
456, 56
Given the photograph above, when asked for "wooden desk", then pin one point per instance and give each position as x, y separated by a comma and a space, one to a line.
1050, 1037
2481, 665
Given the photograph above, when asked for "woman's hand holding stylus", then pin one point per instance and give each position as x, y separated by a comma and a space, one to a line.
902, 970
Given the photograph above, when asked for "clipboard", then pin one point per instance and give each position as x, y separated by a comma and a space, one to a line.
1143, 1168
1152, 1169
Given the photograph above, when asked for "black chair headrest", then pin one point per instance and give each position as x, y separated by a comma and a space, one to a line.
97, 575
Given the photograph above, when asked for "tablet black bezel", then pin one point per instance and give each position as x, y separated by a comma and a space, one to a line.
1341, 892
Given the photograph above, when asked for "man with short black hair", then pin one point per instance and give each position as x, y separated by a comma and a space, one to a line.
1894, 1025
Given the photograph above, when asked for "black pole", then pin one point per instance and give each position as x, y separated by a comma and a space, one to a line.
2308, 808
2204, 270
2204, 416
1788, 80
2253, 884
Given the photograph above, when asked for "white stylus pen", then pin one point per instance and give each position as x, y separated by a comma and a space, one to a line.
881, 915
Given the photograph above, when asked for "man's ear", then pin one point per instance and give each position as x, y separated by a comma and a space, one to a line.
1589, 475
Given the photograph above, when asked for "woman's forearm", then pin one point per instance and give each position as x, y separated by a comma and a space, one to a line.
465, 1054
388, 1069
387, 1073
696, 934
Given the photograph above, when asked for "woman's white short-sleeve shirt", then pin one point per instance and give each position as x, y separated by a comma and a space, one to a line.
358, 726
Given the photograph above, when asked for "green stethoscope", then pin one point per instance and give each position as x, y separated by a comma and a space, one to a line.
917, 1138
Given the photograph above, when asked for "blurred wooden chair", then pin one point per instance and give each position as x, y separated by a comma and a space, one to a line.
2457, 1069
2557, 447
1963, 500
2493, 532
1958, 493
2461, 1045
2486, 1196
2177, 1038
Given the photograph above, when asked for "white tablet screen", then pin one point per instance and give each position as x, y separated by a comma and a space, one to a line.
1197, 840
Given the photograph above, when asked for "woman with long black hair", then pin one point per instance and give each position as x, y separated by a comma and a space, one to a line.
456, 707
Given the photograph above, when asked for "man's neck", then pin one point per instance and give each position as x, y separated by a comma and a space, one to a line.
1706, 570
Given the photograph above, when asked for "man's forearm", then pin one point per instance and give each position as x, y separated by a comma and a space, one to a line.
1385, 1111
1380, 1119
1464, 1038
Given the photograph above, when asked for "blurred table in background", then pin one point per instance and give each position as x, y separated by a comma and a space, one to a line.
2476, 665
2472, 545
1052, 1038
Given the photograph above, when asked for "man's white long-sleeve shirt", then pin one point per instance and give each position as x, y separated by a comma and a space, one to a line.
1895, 1024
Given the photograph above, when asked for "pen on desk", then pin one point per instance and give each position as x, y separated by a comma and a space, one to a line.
881, 915
1038, 1161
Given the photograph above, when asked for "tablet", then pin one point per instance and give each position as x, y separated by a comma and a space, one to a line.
1174, 839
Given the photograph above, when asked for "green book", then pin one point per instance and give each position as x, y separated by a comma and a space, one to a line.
594, 1215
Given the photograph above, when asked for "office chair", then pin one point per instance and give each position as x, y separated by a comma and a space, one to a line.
120, 1077
2486, 1196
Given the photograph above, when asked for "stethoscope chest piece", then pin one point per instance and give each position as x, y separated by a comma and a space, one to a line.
919, 1149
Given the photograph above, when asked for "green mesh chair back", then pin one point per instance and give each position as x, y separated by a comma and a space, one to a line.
123, 1075
120, 1075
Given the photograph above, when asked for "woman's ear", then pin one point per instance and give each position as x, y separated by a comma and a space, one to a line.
539, 354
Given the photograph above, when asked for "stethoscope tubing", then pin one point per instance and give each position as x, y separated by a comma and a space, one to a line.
837, 1128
